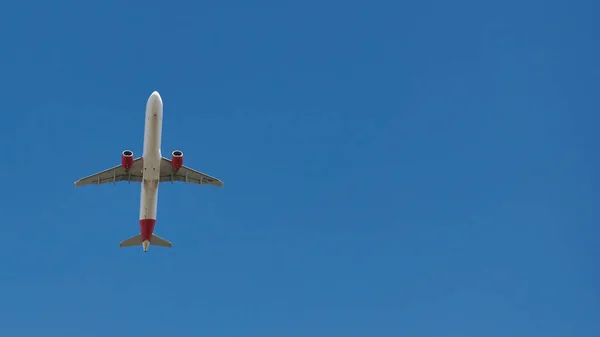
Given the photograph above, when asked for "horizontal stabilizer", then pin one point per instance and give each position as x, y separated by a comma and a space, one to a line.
158, 241
154, 241
132, 241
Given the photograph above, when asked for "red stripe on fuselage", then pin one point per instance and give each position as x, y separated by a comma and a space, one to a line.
147, 227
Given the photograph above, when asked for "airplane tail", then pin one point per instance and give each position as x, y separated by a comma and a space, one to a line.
155, 240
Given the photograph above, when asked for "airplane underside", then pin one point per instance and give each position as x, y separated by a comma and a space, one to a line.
150, 170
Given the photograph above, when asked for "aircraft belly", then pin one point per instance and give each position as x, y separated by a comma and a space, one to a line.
149, 200
151, 170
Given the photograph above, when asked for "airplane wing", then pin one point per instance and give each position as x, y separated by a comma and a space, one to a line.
114, 174
185, 174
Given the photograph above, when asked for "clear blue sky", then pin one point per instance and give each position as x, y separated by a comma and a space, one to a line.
391, 169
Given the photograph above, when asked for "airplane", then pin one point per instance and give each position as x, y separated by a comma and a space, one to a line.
150, 170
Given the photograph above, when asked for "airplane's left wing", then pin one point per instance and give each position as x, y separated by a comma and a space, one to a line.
114, 174
185, 174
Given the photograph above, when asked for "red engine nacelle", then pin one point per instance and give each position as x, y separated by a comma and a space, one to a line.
127, 160
176, 160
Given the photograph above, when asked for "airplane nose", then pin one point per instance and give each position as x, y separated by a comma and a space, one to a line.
155, 96
155, 99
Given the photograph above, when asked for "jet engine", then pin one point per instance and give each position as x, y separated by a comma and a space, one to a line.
127, 159
176, 160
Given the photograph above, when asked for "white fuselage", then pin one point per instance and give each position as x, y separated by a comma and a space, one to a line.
151, 157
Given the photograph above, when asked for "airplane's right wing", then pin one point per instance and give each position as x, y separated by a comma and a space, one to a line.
114, 174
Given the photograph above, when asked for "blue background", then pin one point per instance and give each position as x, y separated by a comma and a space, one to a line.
391, 169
